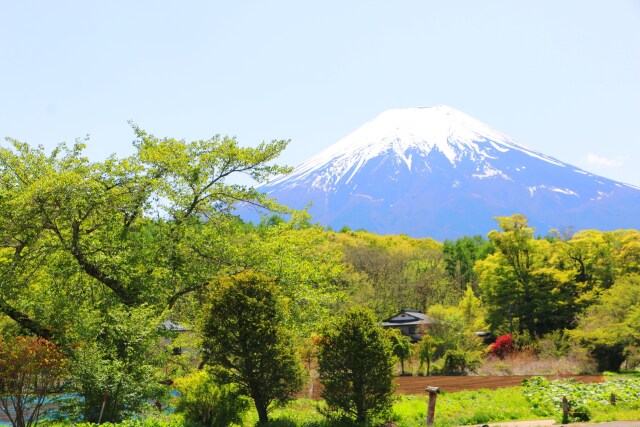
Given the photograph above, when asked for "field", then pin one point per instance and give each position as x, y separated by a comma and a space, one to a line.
415, 385
478, 400
466, 400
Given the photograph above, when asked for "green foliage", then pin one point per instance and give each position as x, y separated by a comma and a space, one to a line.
82, 240
524, 286
246, 342
426, 349
355, 362
307, 269
461, 255
610, 326
401, 346
203, 402
459, 362
30, 370
395, 271
452, 332
546, 396
115, 358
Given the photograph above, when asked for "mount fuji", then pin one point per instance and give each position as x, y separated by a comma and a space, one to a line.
436, 172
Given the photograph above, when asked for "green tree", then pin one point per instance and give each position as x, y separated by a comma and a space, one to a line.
401, 346
355, 362
460, 257
246, 341
425, 352
523, 287
454, 335
612, 325
396, 271
139, 236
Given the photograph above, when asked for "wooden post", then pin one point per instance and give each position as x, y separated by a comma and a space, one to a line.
565, 410
104, 402
613, 399
431, 408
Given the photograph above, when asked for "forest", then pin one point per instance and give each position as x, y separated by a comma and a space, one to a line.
97, 257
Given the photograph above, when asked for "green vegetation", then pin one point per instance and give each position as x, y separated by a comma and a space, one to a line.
246, 342
401, 347
356, 367
30, 370
204, 402
584, 400
138, 272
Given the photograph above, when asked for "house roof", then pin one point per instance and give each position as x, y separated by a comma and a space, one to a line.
170, 325
409, 318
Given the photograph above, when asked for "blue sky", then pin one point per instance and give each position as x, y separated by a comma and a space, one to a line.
562, 77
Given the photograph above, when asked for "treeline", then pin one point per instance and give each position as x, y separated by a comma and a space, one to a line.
103, 259
585, 283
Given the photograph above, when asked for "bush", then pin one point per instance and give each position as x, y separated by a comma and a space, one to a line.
356, 367
30, 369
503, 346
458, 362
206, 403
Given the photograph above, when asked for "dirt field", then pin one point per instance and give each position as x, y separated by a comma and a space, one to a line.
416, 385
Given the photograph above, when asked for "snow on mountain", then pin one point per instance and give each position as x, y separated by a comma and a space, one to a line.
429, 171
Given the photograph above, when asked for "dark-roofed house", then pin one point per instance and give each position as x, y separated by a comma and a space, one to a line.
411, 323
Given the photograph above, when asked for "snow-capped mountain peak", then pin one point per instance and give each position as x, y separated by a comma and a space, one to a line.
427, 171
406, 132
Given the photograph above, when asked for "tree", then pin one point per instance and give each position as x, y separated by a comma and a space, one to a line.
524, 288
396, 271
401, 346
425, 352
612, 325
246, 341
355, 362
139, 236
30, 369
460, 257
454, 338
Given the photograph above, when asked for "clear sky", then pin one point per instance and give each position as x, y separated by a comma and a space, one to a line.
561, 77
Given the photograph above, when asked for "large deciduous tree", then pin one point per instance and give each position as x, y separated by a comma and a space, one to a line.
610, 328
87, 248
247, 343
523, 288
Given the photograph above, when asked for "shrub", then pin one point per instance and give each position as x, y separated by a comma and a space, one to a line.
206, 403
117, 367
458, 362
503, 346
356, 367
30, 369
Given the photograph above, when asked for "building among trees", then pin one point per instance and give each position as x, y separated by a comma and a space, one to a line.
413, 324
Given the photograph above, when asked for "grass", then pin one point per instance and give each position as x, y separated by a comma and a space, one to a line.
464, 408
453, 409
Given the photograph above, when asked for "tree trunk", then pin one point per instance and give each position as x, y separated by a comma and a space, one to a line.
263, 415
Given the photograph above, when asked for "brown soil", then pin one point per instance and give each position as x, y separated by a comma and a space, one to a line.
416, 385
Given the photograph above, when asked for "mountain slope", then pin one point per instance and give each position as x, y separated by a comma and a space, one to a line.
439, 173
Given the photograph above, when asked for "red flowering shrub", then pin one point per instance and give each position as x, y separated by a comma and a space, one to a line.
503, 346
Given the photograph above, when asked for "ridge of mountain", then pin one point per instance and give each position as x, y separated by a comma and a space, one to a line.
427, 171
